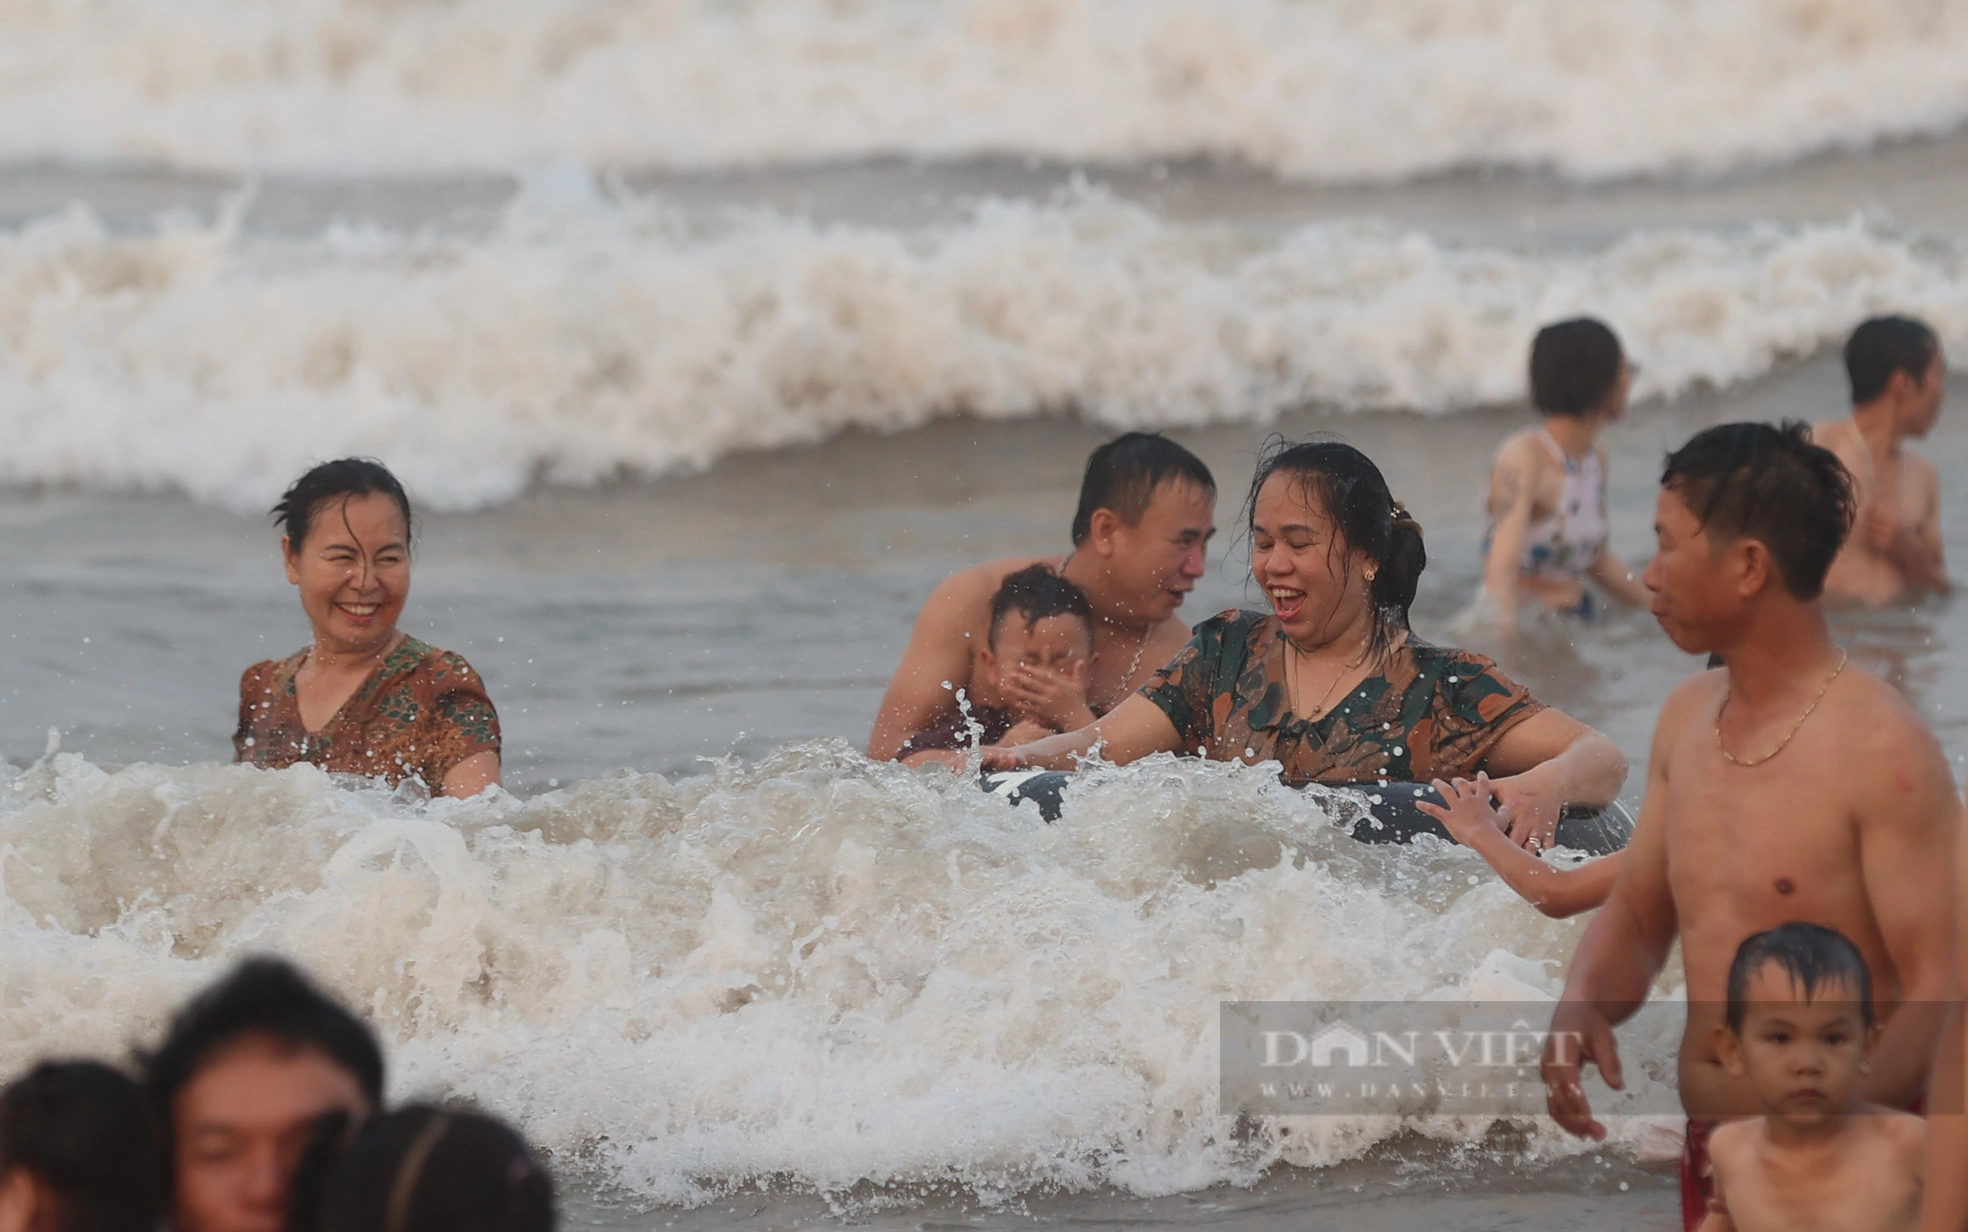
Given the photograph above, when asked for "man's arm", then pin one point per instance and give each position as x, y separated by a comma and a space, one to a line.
1908, 828
1622, 951
938, 652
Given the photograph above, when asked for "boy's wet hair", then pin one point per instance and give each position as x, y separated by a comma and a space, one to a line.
88, 1135
1771, 484
1810, 954
271, 999
1882, 346
1036, 592
344, 477
1574, 366
423, 1169
1122, 475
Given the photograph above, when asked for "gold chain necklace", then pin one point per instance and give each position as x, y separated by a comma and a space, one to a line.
1796, 727
1319, 706
1133, 666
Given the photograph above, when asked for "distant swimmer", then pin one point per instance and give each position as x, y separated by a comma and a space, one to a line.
1140, 538
1787, 785
1040, 622
1329, 682
1899, 378
1547, 498
363, 697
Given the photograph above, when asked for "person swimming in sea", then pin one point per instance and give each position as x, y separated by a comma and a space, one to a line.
1140, 539
1330, 682
1549, 531
363, 697
1899, 380
1786, 785
1031, 677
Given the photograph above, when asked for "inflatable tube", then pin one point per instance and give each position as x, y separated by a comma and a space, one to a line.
1390, 815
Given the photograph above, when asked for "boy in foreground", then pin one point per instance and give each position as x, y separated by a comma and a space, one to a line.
1801, 1032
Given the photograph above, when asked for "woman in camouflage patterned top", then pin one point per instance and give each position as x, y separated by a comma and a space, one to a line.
1330, 683
363, 698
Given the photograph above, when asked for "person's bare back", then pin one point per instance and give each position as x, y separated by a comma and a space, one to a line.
1866, 1179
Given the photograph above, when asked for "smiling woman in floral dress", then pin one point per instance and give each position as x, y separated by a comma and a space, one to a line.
364, 697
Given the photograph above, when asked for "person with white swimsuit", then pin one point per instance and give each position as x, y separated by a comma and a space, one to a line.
1547, 496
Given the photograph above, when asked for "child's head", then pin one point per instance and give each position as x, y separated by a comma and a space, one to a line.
1040, 619
79, 1152
1578, 368
1800, 1021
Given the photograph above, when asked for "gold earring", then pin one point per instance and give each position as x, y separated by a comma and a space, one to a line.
1372, 574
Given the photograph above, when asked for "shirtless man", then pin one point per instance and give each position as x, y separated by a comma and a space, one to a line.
1140, 538
1784, 786
1898, 380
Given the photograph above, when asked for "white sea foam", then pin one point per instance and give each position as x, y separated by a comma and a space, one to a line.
580, 338
1328, 89
812, 971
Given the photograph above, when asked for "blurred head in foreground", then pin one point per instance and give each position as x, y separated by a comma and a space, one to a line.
248, 1068
425, 1169
79, 1152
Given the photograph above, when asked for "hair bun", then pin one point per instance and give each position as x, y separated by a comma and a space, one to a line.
1405, 520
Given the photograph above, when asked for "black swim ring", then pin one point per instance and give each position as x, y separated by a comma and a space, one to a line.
1389, 812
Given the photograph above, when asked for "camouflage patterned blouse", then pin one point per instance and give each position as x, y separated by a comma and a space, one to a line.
421, 712
1432, 713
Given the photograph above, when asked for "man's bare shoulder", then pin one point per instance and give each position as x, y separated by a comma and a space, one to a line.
979, 582
1877, 715
1694, 699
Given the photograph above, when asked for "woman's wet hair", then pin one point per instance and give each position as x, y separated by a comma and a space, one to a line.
422, 1169
1122, 475
86, 1132
1574, 366
344, 478
1882, 346
1811, 955
1353, 493
270, 999
1036, 592
1771, 484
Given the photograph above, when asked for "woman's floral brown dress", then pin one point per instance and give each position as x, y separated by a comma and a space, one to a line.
420, 713
1431, 713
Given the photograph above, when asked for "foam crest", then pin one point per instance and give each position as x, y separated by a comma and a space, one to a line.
812, 971
581, 339
1337, 89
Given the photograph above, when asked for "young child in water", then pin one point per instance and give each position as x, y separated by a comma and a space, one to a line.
1031, 675
1477, 824
1801, 1029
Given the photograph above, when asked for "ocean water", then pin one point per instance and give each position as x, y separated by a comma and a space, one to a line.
711, 336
